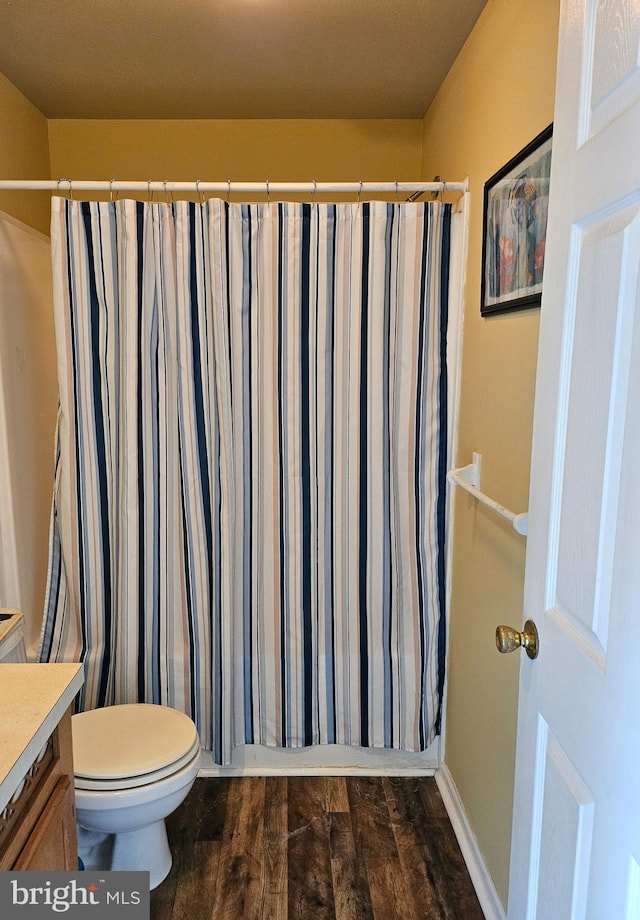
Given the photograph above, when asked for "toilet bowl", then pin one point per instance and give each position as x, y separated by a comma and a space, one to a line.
134, 764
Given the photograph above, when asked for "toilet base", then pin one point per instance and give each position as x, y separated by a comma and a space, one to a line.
94, 849
145, 849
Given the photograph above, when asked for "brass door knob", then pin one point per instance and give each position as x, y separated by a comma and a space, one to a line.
509, 639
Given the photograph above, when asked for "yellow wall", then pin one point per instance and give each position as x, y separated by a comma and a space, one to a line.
299, 150
497, 97
24, 154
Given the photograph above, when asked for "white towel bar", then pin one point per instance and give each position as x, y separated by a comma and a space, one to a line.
468, 478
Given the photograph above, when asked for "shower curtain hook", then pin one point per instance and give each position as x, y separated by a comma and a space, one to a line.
168, 195
149, 192
360, 193
111, 190
396, 185
200, 195
440, 192
70, 189
268, 194
228, 191
315, 191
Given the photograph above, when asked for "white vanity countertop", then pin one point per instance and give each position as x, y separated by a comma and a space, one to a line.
33, 699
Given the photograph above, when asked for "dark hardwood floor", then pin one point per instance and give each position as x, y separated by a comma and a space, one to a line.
314, 848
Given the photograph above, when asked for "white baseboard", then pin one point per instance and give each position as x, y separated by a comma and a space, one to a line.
482, 882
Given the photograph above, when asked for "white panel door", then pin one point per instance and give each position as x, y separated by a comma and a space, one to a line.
576, 830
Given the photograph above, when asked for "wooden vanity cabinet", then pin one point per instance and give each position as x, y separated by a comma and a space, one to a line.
38, 829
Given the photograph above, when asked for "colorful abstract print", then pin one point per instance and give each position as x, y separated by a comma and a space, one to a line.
517, 233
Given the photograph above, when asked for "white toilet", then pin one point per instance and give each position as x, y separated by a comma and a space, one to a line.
133, 764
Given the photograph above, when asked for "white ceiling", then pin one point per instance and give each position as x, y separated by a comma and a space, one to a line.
232, 58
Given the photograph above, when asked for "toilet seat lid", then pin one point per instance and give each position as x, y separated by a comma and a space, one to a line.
129, 740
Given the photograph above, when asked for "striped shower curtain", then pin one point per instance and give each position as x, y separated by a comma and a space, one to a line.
248, 517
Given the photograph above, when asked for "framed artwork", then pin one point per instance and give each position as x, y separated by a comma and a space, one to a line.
516, 201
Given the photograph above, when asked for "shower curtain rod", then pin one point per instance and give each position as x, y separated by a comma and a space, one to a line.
228, 187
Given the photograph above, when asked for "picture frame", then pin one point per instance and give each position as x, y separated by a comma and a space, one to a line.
514, 229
